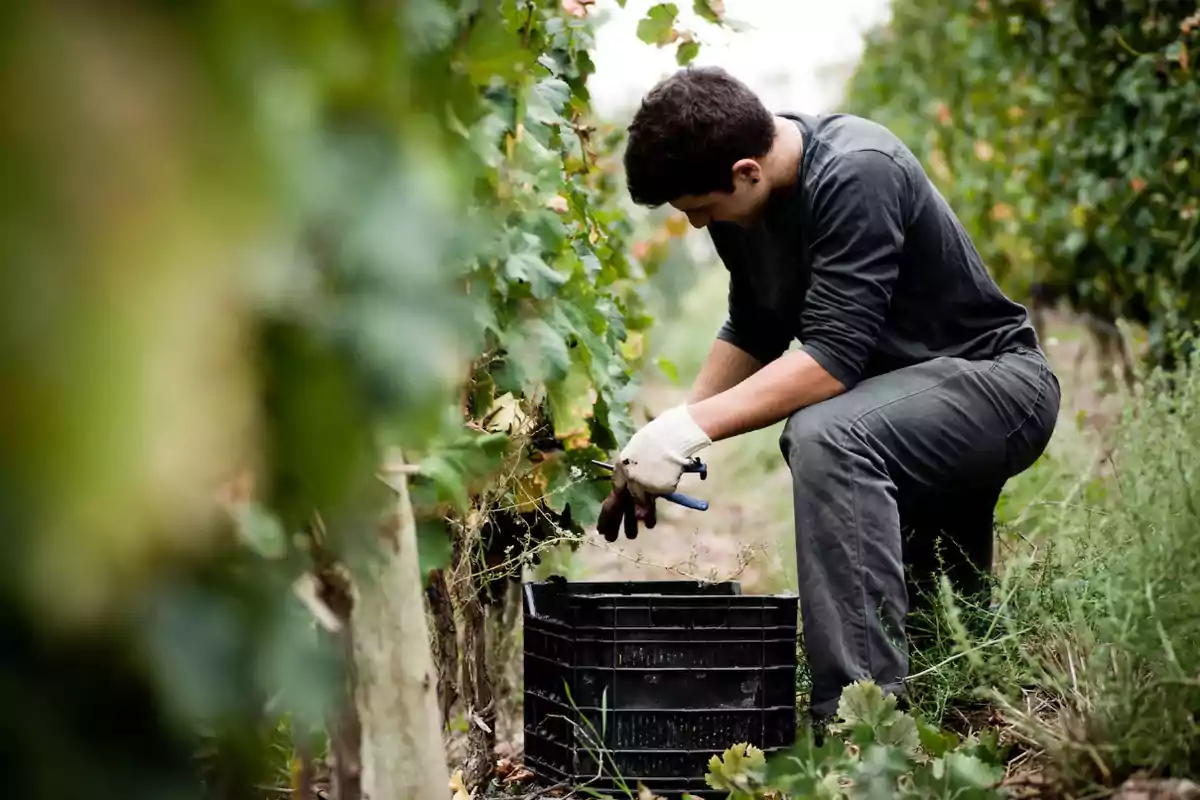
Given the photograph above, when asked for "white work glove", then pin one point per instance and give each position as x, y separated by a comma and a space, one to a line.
656, 455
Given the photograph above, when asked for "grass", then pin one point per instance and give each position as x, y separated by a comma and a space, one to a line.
1092, 647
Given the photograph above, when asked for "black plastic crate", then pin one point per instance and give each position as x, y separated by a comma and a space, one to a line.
667, 674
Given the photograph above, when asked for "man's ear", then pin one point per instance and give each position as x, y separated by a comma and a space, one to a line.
747, 169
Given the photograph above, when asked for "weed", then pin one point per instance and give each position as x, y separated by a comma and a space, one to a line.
1090, 645
885, 753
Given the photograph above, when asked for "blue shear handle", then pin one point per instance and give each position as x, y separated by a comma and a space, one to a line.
686, 501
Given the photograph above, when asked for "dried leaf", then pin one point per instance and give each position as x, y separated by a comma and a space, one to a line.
478, 720
519, 775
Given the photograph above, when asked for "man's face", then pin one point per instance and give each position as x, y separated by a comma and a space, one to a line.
741, 206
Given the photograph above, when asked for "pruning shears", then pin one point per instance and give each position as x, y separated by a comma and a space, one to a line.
695, 465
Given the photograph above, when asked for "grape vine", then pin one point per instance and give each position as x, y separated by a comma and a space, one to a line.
1063, 137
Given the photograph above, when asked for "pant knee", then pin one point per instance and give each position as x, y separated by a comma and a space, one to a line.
812, 437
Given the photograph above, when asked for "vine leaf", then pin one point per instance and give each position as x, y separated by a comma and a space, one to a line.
863, 704
260, 529
710, 10
739, 770
686, 52
525, 264
547, 100
668, 368
571, 404
658, 26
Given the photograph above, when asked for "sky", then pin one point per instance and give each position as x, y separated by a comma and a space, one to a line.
784, 57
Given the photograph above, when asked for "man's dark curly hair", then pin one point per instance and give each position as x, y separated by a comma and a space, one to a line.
689, 131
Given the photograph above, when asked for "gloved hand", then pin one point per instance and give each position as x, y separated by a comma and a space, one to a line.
656, 455
625, 506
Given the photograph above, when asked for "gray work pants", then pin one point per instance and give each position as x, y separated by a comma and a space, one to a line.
881, 472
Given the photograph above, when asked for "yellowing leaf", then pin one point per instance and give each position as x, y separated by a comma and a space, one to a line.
742, 766
457, 786
571, 402
529, 490
676, 224
505, 415
633, 346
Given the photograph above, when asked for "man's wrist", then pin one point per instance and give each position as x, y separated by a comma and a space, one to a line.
707, 416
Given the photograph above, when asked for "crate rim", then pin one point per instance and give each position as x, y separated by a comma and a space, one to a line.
637, 710
625, 668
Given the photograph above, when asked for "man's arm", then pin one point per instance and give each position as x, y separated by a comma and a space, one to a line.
727, 366
859, 213
790, 382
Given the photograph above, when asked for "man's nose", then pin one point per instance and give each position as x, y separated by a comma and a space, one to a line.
697, 219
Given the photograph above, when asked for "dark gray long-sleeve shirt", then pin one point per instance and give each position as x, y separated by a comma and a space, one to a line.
863, 262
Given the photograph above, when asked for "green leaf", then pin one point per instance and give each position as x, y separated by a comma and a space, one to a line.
968, 771
447, 478
591, 266
740, 769
935, 742
705, 11
530, 268
863, 705
686, 53
547, 100
261, 530
433, 546
1176, 51
986, 745
493, 51
668, 368
877, 773
525, 264
864, 701
537, 352
571, 483
657, 26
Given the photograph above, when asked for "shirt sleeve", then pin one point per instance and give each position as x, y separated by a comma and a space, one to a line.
858, 213
748, 326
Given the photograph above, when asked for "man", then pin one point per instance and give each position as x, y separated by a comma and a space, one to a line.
918, 388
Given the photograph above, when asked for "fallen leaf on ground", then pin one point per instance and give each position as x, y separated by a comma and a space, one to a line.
519, 775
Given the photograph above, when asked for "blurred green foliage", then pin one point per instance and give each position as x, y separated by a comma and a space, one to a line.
1063, 134
251, 249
